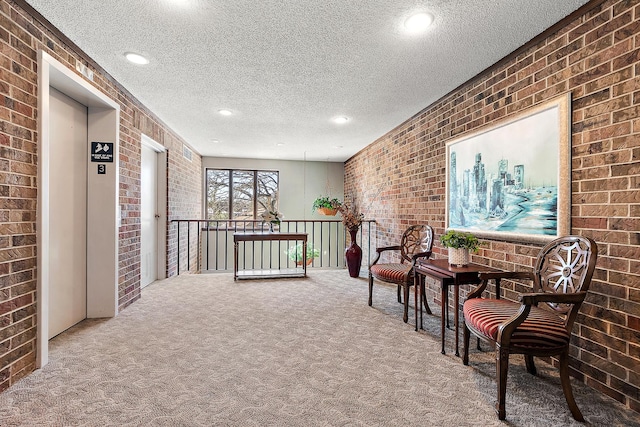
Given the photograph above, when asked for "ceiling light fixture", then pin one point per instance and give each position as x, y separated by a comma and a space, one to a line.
341, 120
418, 23
225, 112
136, 58
180, 2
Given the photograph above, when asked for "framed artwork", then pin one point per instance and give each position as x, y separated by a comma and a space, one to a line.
512, 181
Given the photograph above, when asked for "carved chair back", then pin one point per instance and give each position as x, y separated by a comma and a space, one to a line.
415, 239
565, 266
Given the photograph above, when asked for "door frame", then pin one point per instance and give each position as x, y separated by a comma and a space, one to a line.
103, 211
161, 203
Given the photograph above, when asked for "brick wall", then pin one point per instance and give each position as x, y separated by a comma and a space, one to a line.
182, 181
595, 56
21, 36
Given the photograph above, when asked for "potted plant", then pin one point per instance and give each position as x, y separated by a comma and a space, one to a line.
460, 244
326, 206
295, 253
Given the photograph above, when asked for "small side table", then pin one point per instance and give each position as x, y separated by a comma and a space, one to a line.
448, 275
262, 236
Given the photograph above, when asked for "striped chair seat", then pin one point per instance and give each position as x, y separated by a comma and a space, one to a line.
416, 243
393, 273
542, 329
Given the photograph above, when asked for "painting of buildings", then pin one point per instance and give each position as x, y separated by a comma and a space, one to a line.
507, 179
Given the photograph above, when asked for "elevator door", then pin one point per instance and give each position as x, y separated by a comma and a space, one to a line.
68, 213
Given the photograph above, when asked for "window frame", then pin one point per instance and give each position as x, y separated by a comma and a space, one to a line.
255, 196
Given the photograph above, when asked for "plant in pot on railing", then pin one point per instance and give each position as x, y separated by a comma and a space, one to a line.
326, 206
295, 253
460, 245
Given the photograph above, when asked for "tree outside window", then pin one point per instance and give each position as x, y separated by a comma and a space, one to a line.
239, 194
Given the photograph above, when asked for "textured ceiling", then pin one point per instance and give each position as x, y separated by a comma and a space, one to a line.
287, 68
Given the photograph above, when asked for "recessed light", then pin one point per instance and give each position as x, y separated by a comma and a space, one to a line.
225, 112
279, 144
180, 2
418, 23
341, 120
136, 58
215, 141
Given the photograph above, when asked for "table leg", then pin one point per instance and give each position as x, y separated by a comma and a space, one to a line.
415, 299
444, 298
422, 290
456, 315
235, 260
447, 309
304, 257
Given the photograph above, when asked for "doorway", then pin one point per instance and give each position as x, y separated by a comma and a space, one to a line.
90, 227
152, 211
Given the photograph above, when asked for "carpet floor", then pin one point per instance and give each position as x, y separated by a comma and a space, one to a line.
203, 350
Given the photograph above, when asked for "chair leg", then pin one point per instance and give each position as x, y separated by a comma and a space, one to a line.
566, 386
502, 367
399, 297
424, 299
405, 317
370, 289
466, 335
531, 367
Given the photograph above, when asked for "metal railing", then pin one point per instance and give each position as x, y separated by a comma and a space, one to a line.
207, 245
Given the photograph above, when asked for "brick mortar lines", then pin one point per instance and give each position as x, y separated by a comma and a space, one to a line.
472, 107
18, 135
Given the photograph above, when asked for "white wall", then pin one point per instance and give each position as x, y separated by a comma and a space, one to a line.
300, 182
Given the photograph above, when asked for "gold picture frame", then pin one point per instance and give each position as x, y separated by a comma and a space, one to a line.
512, 180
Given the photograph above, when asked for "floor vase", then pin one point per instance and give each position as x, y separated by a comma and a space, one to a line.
353, 255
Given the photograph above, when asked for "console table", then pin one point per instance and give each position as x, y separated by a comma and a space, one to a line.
448, 275
269, 237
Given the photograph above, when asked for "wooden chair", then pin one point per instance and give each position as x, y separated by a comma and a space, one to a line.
416, 242
561, 278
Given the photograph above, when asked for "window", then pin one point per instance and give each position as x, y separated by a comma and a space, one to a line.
239, 194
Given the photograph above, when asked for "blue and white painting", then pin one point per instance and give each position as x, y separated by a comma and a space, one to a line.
505, 180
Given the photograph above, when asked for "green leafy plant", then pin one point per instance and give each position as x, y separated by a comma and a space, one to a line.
295, 252
326, 202
460, 240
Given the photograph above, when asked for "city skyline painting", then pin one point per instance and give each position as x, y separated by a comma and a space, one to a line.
513, 181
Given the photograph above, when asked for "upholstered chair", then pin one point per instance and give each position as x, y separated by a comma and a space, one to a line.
416, 242
540, 324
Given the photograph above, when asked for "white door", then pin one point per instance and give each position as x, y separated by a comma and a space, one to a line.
148, 230
67, 212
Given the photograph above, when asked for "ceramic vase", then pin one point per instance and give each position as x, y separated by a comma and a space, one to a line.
353, 255
459, 257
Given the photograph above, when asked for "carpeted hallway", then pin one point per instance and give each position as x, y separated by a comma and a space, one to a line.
201, 350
